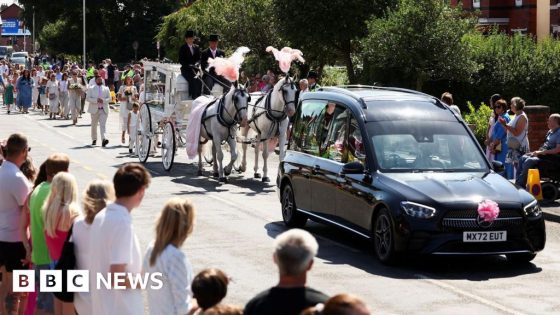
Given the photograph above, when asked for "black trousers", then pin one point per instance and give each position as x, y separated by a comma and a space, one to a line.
195, 87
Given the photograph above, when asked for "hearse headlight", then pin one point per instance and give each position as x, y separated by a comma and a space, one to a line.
417, 210
533, 209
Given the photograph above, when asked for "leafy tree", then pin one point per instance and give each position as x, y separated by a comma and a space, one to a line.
239, 23
111, 27
422, 40
327, 31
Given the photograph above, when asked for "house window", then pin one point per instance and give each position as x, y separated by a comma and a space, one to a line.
518, 3
476, 3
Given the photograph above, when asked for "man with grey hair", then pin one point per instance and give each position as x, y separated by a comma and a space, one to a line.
550, 151
294, 251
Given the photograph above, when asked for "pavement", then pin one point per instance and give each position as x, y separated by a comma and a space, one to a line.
237, 222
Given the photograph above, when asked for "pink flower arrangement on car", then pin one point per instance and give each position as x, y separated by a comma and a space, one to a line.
488, 210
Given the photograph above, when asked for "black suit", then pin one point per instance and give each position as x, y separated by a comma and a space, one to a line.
188, 63
209, 79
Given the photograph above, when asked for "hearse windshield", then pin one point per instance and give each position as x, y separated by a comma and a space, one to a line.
425, 146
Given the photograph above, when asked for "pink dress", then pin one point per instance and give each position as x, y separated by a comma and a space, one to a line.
195, 123
55, 244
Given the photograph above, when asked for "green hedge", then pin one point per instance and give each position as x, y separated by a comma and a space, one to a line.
511, 66
479, 118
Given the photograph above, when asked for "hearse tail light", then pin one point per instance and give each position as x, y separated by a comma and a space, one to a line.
533, 209
417, 210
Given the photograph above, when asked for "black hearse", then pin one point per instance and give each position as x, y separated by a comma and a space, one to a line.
401, 168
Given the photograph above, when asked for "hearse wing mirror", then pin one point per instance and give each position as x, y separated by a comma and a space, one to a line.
497, 166
353, 168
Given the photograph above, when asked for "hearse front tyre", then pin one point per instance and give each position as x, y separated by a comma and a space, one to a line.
384, 238
292, 218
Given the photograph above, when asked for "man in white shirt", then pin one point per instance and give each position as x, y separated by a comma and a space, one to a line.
4, 69
14, 188
115, 244
98, 97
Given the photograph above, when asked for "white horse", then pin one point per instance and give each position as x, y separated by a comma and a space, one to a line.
269, 118
219, 123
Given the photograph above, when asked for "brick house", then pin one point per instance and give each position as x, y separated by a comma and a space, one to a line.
513, 15
11, 14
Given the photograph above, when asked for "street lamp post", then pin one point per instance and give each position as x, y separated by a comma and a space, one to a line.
34, 50
84, 27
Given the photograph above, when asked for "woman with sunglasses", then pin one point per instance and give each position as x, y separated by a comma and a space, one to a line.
491, 121
498, 139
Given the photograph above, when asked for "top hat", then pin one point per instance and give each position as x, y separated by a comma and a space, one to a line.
189, 33
214, 38
312, 75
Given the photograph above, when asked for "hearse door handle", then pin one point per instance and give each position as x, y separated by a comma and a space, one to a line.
315, 170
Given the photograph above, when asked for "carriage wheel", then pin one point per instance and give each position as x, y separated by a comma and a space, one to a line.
168, 146
144, 137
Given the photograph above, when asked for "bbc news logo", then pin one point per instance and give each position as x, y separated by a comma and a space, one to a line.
79, 281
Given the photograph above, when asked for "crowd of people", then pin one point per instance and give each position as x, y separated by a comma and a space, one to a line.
507, 137
62, 89
41, 210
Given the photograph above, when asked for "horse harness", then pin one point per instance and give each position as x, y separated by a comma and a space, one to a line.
220, 116
271, 114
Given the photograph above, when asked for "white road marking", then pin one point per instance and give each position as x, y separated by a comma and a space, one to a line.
469, 295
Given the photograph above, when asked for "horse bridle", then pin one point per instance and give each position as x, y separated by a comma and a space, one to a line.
283, 88
292, 85
236, 118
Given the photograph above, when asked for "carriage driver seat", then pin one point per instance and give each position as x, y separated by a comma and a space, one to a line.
181, 88
183, 101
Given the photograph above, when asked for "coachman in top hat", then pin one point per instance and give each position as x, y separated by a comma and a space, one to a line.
189, 58
211, 77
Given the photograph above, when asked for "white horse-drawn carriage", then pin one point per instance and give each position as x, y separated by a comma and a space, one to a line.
224, 118
164, 111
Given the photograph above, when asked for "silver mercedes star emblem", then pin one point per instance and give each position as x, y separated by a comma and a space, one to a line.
483, 224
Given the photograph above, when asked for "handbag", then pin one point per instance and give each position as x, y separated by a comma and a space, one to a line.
66, 262
513, 143
52, 96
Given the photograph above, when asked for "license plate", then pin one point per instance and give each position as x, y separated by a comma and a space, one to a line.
489, 236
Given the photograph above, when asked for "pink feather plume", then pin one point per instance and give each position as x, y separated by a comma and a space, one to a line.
286, 56
229, 67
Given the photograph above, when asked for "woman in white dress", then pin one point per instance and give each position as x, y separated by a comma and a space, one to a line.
35, 92
63, 89
127, 95
75, 91
52, 95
